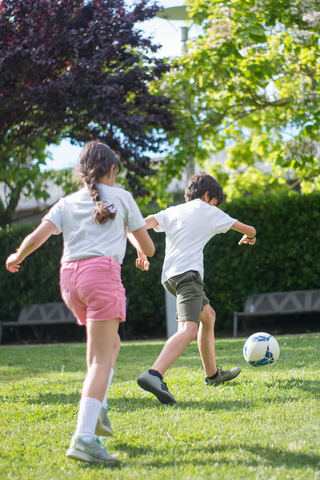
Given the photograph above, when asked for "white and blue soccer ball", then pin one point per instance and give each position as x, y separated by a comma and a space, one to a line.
261, 350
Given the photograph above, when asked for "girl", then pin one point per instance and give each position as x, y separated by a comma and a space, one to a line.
94, 222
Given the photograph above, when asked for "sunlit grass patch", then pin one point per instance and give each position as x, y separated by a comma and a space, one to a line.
264, 424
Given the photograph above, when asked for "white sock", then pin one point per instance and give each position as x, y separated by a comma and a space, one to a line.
89, 411
104, 402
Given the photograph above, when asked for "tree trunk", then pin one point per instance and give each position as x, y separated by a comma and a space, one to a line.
6, 214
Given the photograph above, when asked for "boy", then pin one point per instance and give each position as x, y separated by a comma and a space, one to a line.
188, 228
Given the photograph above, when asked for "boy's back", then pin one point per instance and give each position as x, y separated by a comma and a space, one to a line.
188, 228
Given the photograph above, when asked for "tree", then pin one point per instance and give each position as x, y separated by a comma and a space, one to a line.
80, 70
249, 84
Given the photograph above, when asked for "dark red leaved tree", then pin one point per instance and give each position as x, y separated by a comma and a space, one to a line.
81, 70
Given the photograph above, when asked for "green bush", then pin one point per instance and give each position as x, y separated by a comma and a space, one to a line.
284, 258
38, 282
38, 278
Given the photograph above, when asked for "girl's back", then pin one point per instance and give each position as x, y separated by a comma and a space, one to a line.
83, 238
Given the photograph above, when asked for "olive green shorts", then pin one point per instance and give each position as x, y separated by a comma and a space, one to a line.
191, 299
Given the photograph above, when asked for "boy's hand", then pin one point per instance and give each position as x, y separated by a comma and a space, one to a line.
246, 240
12, 263
142, 262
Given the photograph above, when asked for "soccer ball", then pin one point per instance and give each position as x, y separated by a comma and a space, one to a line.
261, 349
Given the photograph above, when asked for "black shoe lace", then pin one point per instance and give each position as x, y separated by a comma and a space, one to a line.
165, 386
222, 372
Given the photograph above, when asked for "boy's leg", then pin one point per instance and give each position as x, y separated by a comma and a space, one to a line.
187, 332
214, 374
206, 340
188, 289
151, 380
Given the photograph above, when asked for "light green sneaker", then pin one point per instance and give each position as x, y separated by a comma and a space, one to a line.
93, 452
104, 427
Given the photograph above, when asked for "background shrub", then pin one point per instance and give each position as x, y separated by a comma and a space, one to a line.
285, 257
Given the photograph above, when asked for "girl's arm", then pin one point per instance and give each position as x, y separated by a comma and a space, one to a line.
30, 244
141, 241
248, 232
142, 261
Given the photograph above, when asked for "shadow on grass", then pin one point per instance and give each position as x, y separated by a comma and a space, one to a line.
268, 456
112, 467
132, 404
127, 404
311, 386
45, 399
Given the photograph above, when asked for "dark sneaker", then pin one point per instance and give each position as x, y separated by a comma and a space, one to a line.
92, 452
104, 427
153, 384
223, 376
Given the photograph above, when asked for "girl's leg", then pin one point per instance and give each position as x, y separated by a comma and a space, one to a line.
116, 350
115, 353
101, 338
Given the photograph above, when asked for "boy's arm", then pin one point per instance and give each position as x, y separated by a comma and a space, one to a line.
151, 222
249, 233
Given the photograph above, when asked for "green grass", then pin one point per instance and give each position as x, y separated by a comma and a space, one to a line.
263, 425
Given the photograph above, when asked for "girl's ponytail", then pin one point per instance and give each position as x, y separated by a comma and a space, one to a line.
102, 213
96, 160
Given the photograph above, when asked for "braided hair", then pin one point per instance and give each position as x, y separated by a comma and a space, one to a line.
96, 160
200, 183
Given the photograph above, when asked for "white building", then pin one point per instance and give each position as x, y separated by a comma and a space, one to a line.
30, 210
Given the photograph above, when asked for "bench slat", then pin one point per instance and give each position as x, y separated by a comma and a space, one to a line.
278, 303
55, 313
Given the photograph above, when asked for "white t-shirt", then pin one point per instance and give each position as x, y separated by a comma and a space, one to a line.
83, 238
188, 228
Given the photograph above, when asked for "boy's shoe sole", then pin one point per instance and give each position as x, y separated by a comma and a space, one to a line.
104, 427
92, 452
154, 385
223, 376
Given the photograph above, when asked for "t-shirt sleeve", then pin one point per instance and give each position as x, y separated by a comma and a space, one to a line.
161, 218
134, 219
223, 222
55, 216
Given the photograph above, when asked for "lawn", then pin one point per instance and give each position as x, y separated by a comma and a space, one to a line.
263, 425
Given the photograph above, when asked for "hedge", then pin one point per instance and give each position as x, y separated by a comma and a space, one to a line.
285, 257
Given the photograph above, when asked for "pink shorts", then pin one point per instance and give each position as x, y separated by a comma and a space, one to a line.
93, 290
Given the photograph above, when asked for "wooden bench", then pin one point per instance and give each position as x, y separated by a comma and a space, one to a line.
56, 313
275, 303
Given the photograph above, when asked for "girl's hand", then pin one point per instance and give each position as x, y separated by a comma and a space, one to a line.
246, 240
12, 263
142, 262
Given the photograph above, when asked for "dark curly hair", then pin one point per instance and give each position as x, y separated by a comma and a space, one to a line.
95, 160
200, 183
